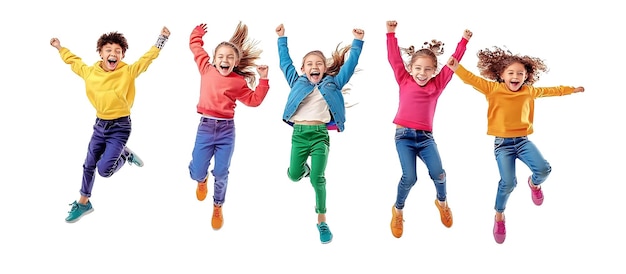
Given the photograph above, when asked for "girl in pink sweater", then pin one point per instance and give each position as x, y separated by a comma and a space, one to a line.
420, 87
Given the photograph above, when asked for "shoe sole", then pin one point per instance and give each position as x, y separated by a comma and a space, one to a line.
81, 216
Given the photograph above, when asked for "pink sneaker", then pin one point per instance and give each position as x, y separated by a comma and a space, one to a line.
536, 192
499, 231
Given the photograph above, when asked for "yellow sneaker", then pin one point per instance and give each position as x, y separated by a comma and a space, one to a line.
397, 225
218, 219
201, 191
445, 213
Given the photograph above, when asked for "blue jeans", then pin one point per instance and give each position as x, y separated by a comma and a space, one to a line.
214, 138
105, 151
507, 150
411, 144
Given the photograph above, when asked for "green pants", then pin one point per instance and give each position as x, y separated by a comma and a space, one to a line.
310, 140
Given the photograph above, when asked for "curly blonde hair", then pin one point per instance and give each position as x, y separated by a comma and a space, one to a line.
492, 63
247, 52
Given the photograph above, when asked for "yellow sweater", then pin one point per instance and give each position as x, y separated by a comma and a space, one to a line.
112, 93
510, 113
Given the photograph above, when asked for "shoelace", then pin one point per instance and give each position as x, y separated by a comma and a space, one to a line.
324, 228
447, 214
74, 207
398, 221
216, 213
500, 229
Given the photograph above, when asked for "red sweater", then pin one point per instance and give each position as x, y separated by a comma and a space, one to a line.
218, 94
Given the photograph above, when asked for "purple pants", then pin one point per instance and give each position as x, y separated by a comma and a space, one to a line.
106, 150
215, 138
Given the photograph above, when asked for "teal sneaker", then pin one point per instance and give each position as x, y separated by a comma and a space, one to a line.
78, 211
132, 158
325, 235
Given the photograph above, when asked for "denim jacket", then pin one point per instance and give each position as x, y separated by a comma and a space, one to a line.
329, 86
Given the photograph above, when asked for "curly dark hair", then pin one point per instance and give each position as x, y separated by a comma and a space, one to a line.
112, 38
493, 62
246, 50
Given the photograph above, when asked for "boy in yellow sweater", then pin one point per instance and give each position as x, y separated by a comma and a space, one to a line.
110, 86
511, 96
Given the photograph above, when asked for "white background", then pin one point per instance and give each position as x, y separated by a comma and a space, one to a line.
148, 219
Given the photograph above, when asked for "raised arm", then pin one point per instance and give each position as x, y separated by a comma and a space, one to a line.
76, 63
393, 53
445, 75
141, 65
347, 69
286, 64
196, 45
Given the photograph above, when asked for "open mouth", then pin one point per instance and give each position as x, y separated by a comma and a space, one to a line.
315, 76
515, 85
111, 63
224, 69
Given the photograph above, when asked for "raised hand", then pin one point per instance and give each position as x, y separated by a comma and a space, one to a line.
467, 34
391, 25
280, 30
262, 70
165, 32
55, 43
202, 27
453, 64
358, 33
579, 89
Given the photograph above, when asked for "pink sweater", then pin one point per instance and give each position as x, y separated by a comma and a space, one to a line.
218, 94
417, 104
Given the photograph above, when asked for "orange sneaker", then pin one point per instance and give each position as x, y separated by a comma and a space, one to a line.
444, 213
397, 225
218, 219
201, 191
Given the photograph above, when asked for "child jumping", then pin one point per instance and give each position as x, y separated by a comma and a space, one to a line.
223, 81
420, 87
110, 85
315, 104
511, 96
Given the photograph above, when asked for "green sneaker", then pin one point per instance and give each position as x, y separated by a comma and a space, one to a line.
78, 211
132, 158
325, 235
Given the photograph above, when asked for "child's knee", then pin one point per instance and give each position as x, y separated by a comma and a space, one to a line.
106, 173
545, 170
438, 177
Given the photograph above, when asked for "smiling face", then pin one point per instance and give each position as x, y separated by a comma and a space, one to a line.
111, 55
422, 69
226, 59
514, 76
314, 66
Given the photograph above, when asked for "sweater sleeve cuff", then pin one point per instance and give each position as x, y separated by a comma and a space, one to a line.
161, 41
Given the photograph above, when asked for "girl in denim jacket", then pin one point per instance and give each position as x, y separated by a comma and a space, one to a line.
315, 104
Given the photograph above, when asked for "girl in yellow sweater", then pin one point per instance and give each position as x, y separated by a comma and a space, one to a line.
511, 96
